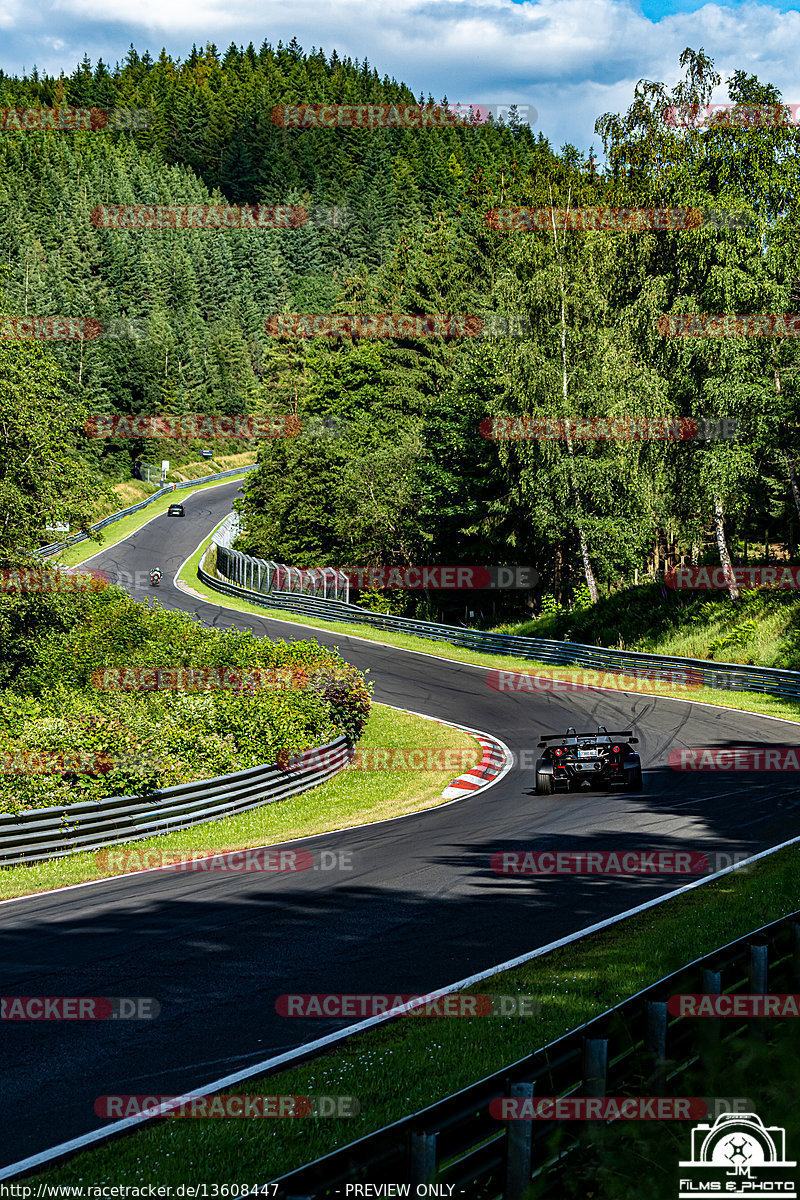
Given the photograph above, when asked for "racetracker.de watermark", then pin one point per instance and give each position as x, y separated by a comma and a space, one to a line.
76, 762
723, 325
396, 325
36, 580
389, 758
125, 860
612, 862
371, 116
616, 862
440, 578
546, 680
71, 329
582, 220
611, 1108
601, 429
740, 1004
72, 120
455, 1004
739, 116
79, 1008
206, 679
193, 425
735, 758
253, 1107
720, 578
136, 217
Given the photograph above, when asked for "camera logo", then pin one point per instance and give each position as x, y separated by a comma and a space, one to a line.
738, 1156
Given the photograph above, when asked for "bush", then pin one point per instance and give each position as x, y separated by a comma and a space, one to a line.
129, 741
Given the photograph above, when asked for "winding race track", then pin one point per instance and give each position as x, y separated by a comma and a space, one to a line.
420, 908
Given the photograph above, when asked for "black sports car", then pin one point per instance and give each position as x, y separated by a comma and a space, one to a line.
176, 510
600, 759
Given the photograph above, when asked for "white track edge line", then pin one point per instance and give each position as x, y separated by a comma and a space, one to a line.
87, 1139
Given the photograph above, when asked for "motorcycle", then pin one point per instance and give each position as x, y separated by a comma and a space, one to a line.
155, 578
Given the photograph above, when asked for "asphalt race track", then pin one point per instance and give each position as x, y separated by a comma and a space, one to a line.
420, 908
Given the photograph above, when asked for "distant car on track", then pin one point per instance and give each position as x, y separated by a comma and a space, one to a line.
176, 510
592, 760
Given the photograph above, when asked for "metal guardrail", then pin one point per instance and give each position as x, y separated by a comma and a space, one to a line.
734, 677
633, 1049
265, 577
44, 833
46, 551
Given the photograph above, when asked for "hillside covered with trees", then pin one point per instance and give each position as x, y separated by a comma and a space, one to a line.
398, 469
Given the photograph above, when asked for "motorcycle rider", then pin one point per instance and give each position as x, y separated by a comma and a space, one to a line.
155, 576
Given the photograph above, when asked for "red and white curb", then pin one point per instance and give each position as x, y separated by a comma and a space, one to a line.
497, 759
483, 773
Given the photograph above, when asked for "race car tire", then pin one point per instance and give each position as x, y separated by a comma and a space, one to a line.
544, 784
635, 780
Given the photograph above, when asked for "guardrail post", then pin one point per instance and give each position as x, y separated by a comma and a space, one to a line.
795, 953
655, 1040
595, 1066
422, 1160
710, 1026
519, 1143
759, 966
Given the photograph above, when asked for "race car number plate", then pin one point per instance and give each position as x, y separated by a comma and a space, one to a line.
586, 754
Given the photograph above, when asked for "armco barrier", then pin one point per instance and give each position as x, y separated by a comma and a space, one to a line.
46, 551
634, 1049
734, 677
56, 832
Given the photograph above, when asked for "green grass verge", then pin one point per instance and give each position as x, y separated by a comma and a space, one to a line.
414, 1061
762, 628
755, 702
353, 797
72, 556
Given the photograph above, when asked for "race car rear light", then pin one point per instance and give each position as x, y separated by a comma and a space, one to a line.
559, 752
615, 749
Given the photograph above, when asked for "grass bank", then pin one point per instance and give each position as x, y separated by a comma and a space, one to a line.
763, 628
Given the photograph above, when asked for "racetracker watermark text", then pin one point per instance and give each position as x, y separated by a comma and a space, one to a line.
601, 429
396, 325
615, 862
735, 758
612, 220
612, 1108
79, 1008
455, 1004
547, 681
125, 860
72, 120
367, 116
767, 325
194, 425
719, 578
253, 1107
440, 578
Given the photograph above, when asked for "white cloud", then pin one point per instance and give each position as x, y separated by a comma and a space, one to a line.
570, 59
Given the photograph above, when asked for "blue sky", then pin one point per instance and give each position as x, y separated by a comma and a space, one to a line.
570, 59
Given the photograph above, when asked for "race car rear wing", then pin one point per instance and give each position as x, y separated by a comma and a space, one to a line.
609, 733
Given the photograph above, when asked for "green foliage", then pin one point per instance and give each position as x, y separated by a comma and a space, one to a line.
63, 695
